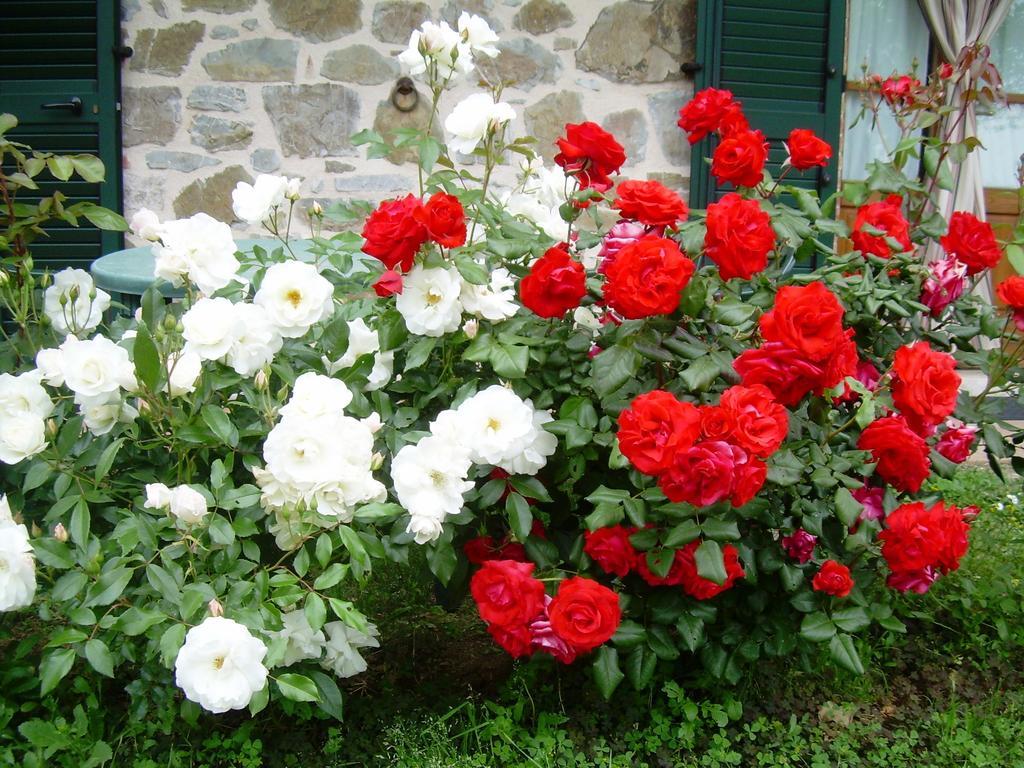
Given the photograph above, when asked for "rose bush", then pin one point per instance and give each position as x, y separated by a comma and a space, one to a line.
631, 431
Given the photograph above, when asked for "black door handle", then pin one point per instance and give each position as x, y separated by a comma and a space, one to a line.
690, 67
73, 105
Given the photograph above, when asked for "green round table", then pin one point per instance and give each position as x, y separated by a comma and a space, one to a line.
128, 273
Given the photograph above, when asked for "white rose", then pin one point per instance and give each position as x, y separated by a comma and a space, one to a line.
494, 301
548, 219
257, 341
430, 478
17, 567
429, 301
424, 528
540, 445
293, 189
187, 504
276, 494
23, 395
50, 364
443, 45
96, 367
78, 315
473, 118
364, 341
302, 642
478, 33
220, 666
301, 451
146, 224
21, 437
295, 297
158, 496
495, 425
340, 498
185, 367
201, 248
211, 327
315, 396
340, 653
254, 203
102, 413
6, 516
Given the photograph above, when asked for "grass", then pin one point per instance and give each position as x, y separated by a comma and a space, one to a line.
441, 694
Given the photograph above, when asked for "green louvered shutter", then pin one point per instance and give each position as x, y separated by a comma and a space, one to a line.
51, 52
784, 60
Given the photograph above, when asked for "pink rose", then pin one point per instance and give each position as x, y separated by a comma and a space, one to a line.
913, 581
944, 285
867, 375
622, 234
871, 498
800, 545
957, 442
704, 474
544, 638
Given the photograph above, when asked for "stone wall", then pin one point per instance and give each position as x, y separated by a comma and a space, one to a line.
220, 90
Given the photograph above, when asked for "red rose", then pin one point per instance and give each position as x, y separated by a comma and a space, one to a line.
740, 158
918, 544
716, 423
783, 370
806, 150
900, 454
481, 549
739, 237
957, 442
748, 481
760, 423
1011, 291
516, 639
833, 579
925, 385
647, 277
806, 318
555, 284
670, 579
704, 113
655, 427
506, 593
897, 90
843, 362
444, 220
584, 613
704, 474
610, 548
733, 121
649, 203
590, 153
972, 242
699, 588
388, 284
512, 550
393, 234
945, 70
799, 545
886, 216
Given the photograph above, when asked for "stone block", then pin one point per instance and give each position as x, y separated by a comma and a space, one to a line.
388, 120
217, 6
522, 63
166, 51
216, 134
541, 16
312, 120
664, 108
317, 20
221, 32
640, 42
186, 162
360, 64
254, 61
630, 128
211, 195
217, 98
150, 115
265, 160
395, 20
546, 119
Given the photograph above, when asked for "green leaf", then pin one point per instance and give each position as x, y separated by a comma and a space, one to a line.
108, 587
103, 218
1015, 255
442, 560
378, 511
691, 631
473, 271
420, 352
54, 666
530, 487
701, 373
359, 558
330, 695
607, 673
171, 642
844, 651
817, 627
297, 687
520, 517
785, 469
38, 473
509, 361
331, 577
107, 459
7, 121
613, 367
629, 634
710, 561
640, 666
315, 610
220, 424
851, 619
40, 733
78, 527
220, 530
61, 167
99, 656
147, 358
89, 167
848, 509
163, 582
720, 530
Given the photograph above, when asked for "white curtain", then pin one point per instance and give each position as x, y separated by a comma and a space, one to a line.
955, 24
